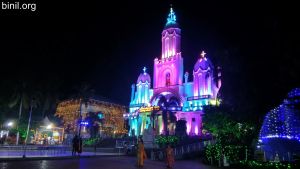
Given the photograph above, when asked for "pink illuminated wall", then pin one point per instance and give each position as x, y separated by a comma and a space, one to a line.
193, 122
172, 66
171, 61
170, 42
203, 73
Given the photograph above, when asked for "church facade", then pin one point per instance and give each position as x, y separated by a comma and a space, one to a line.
170, 96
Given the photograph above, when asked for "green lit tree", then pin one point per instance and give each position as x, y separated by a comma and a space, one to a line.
230, 137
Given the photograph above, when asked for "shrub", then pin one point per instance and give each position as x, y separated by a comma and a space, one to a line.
163, 140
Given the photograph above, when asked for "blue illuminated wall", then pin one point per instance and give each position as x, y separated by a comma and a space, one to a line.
140, 97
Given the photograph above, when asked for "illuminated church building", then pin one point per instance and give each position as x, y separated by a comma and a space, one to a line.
172, 94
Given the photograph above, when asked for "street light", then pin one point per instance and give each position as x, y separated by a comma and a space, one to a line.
49, 126
10, 124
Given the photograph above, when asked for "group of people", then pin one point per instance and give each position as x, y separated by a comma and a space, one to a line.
141, 155
76, 145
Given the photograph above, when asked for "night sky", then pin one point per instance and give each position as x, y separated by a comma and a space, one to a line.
107, 45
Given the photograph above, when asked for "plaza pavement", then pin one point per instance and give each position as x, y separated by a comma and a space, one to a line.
116, 162
18, 155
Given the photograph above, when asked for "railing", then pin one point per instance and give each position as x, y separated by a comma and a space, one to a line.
179, 151
199, 97
172, 108
122, 144
186, 149
33, 150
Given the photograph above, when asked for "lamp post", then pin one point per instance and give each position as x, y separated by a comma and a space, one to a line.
9, 125
28, 126
80, 114
80, 117
18, 122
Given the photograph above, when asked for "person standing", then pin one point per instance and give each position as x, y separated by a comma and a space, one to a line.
126, 147
170, 157
75, 144
79, 145
141, 154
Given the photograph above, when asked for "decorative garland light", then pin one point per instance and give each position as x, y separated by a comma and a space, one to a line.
283, 121
112, 113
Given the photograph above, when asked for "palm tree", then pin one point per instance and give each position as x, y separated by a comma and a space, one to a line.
21, 98
50, 99
84, 91
167, 114
164, 104
3, 102
33, 104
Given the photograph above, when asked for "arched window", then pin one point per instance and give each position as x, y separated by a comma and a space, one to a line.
207, 76
168, 79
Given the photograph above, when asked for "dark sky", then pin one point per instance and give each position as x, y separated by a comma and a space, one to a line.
107, 44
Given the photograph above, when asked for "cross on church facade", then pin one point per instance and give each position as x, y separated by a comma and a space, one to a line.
203, 54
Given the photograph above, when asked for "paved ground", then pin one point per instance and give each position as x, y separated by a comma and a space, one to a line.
31, 154
120, 162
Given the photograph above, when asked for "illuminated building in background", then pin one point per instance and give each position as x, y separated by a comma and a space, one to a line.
48, 133
173, 97
94, 112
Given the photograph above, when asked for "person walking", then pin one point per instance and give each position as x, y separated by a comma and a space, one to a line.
141, 154
170, 157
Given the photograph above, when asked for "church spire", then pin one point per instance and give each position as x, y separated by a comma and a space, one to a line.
171, 36
171, 17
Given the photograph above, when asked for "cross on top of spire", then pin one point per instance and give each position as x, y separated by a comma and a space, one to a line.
171, 17
203, 54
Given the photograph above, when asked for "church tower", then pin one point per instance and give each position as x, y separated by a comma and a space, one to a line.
168, 71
